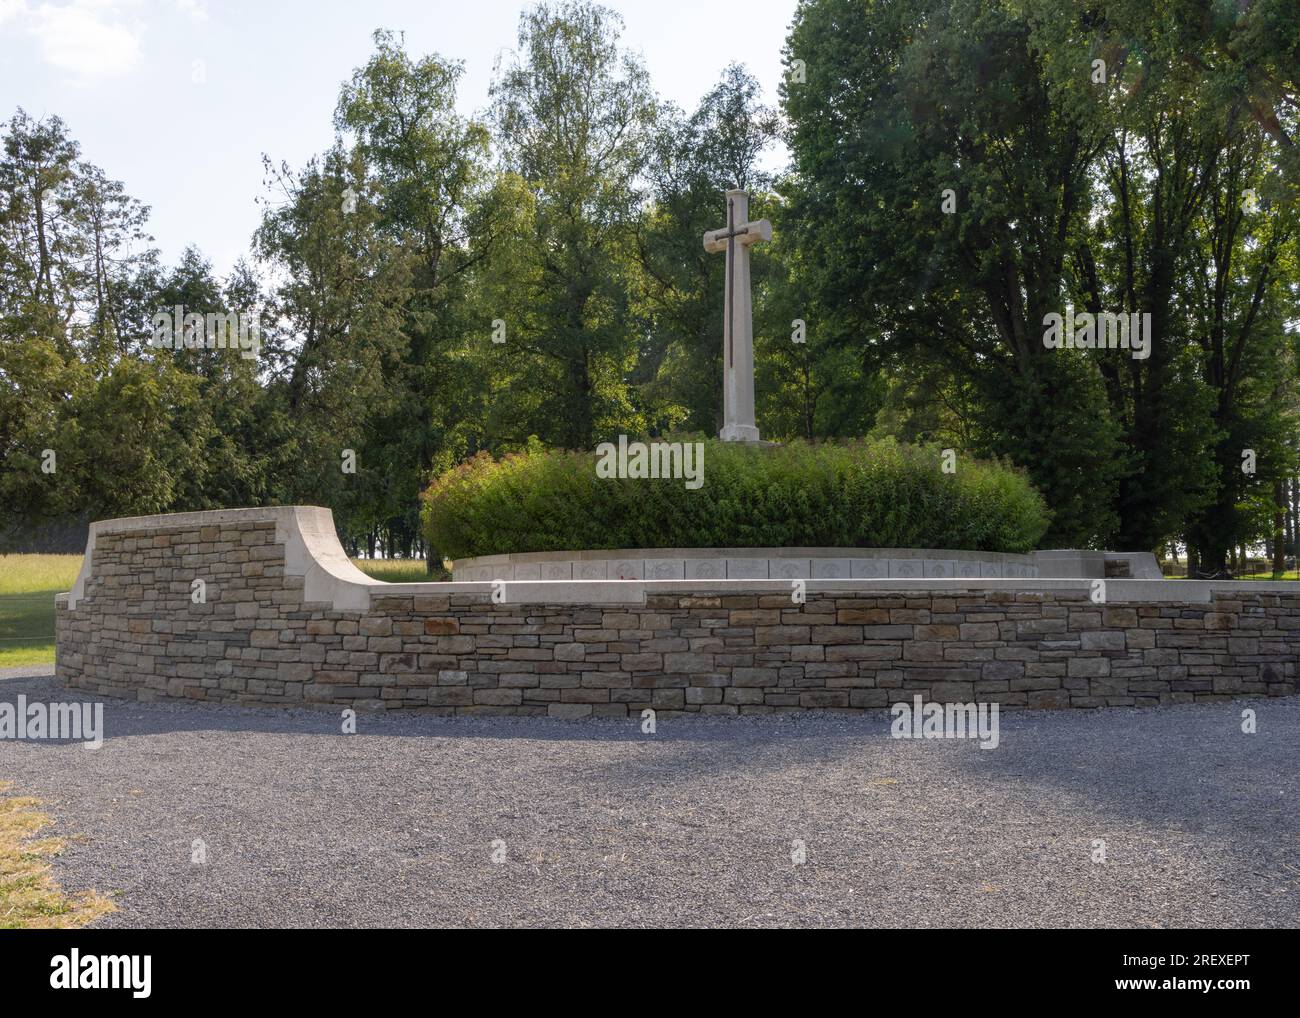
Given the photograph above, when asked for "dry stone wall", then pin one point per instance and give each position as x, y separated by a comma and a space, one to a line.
285, 619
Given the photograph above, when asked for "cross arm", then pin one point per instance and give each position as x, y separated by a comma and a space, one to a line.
749, 233
760, 229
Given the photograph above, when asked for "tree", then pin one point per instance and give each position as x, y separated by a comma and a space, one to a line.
1192, 224
70, 243
933, 193
574, 114
964, 170
425, 169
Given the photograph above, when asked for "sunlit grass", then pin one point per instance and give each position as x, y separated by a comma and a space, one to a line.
398, 570
28, 584
1291, 575
25, 574
1179, 572
29, 896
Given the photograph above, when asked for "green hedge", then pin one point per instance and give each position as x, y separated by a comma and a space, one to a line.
854, 495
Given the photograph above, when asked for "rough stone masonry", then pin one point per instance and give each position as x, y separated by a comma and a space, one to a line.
285, 618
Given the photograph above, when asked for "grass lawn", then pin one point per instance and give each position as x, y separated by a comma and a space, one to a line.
1293, 574
398, 570
28, 584
29, 897
1290, 574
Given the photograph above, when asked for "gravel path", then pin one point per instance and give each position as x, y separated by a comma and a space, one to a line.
603, 825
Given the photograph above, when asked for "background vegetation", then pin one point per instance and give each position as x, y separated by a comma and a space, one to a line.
571, 211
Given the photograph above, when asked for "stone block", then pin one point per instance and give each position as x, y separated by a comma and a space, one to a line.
862, 616
570, 651
978, 632
1101, 640
777, 635
664, 569
937, 632
756, 617
823, 699
703, 694
738, 695
823, 635
626, 569
789, 568
705, 568
1002, 670
754, 676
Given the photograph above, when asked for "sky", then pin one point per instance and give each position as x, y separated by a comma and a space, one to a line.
179, 99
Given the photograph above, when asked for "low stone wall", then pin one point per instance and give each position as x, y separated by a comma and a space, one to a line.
285, 618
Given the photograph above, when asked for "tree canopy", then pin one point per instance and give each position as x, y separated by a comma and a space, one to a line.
436, 286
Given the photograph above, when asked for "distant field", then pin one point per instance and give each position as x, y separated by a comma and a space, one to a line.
1290, 574
28, 584
399, 570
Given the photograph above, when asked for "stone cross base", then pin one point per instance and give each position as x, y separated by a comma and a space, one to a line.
738, 433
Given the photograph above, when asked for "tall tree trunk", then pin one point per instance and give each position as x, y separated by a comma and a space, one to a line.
1294, 516
1279, 529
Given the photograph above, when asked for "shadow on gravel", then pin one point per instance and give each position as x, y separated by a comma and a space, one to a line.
1169, 764
127, 718
1189, 767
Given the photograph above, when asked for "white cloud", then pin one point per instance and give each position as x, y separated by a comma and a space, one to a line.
87, 37
12, 9
196, 9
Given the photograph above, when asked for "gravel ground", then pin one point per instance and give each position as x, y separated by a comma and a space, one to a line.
693, 826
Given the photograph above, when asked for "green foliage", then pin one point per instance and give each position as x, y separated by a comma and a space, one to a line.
573, 112
853, 495
572, 211
1121, 195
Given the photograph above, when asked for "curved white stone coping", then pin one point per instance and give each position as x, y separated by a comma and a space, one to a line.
746, 564
311, 548
312, 551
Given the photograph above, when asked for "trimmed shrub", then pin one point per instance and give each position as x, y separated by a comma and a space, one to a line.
852, 495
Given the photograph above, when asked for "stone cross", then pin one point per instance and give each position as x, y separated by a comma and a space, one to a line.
738, 321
